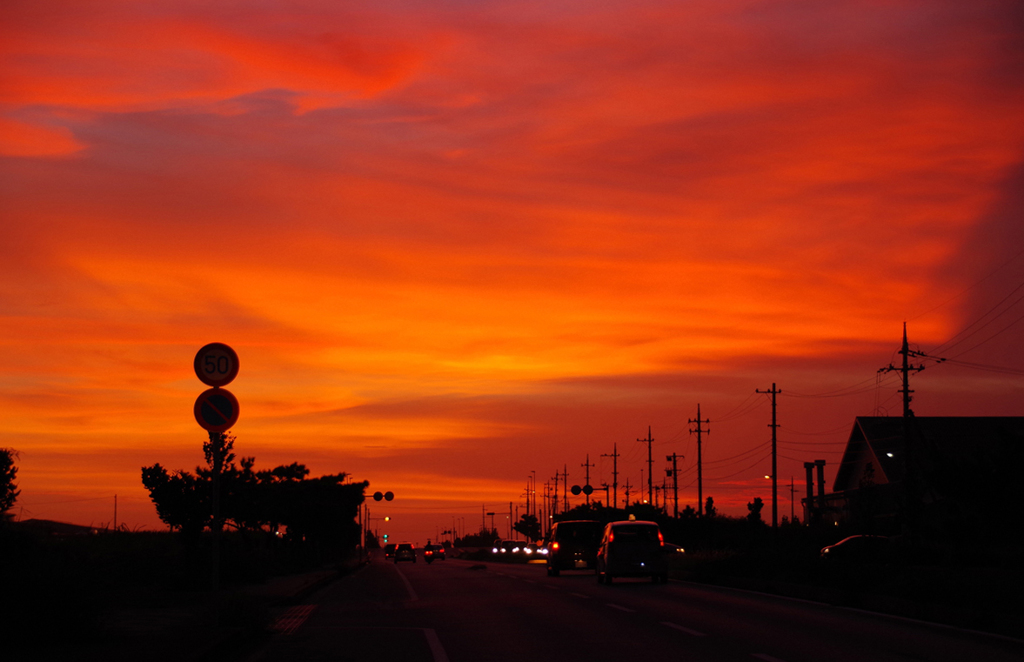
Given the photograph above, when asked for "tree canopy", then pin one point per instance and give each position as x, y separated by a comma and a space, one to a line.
8, 471
319, 509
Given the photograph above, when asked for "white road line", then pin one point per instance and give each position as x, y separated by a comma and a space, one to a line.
766, 658
412, 594
293, 618
580, 595
675, 626
620, 607
436, 649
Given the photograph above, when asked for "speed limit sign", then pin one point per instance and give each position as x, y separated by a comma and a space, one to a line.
216, 364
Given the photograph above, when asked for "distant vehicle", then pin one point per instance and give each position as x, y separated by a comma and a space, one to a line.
405, 551
389, 551
572, 545
531, 549
632, 549
858, 549
433, 553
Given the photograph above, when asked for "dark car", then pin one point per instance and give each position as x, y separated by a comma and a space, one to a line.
436, 552
405, 551
389, 551
858, 549
572, 545
632, 549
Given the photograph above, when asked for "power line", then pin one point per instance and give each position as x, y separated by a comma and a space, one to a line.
949, 344
970, 287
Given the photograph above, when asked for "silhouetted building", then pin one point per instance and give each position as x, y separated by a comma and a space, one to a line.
939, 474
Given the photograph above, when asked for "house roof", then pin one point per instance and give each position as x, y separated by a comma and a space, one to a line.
949, 453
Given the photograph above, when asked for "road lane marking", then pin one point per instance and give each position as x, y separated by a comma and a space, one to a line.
412, 594
436, 649
620, 607
580, 595
293, 618
766, 658
675, 626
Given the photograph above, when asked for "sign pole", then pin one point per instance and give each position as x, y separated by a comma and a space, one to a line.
216, 411
216, 443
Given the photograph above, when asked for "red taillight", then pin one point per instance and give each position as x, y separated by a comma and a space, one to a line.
661, 539
554, 545
611, 536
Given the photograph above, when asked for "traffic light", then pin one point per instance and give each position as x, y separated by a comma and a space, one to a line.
385, 537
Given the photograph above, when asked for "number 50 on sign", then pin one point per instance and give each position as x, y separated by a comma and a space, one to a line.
216, 364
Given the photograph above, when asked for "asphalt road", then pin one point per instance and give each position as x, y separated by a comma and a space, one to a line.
459, 611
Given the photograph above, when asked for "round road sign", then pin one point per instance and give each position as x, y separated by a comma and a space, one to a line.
216, 364
216, 410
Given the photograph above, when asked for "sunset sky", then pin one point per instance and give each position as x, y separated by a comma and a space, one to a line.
454, 242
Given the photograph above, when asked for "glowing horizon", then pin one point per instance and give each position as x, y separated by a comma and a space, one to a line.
458, 243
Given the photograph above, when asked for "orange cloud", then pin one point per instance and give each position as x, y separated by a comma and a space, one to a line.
472, 246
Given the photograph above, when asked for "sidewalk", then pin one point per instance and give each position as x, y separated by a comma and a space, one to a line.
186, 627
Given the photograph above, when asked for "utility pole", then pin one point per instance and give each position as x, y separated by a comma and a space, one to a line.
906, 370
775, 478
586, 465
565, 487
700, 475
554, 507
792, 499
533, 481
650, 462
675, 481
908, 414
615, 473
627, 493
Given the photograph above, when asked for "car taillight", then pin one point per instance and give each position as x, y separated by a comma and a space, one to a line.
661, 539
554, 546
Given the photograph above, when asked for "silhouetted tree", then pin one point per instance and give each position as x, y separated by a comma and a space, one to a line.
182, 500
320, 510
529, 526
709, 507
8, 490
754, 516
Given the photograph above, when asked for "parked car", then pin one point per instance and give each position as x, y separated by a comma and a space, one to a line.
572, 545
405, 551
632, 549
389, 551
858, 549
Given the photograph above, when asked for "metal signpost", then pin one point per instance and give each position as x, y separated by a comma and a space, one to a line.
216, 411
